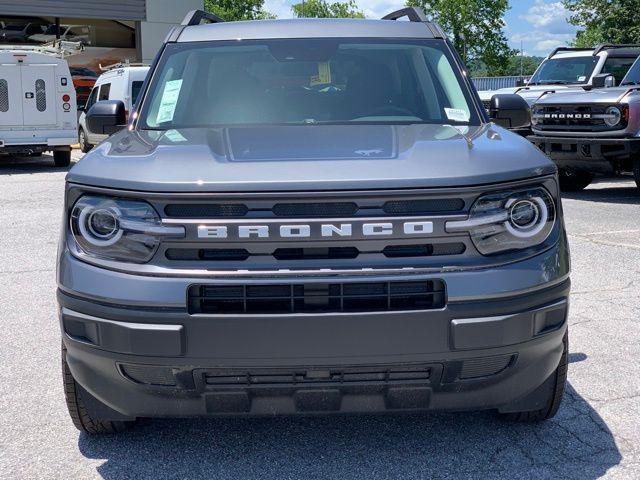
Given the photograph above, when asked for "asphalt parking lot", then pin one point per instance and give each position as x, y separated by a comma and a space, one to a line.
596, 433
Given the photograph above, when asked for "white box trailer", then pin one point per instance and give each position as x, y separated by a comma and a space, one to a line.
38, 109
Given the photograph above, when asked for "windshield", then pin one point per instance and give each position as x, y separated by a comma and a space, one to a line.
560, 71
633, 75
306, 82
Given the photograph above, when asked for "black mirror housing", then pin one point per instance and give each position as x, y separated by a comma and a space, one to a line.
520, 82
510, 111
106, 117
603, 80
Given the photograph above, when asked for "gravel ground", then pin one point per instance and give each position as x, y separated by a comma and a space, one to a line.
596, 433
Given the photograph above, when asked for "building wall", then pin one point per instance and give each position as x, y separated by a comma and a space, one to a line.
161, 16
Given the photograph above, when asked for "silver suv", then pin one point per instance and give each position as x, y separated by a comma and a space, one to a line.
591, 131
311, 216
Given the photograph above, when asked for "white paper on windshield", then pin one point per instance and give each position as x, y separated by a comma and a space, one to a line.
169, 100
457, 114
174, 136
582, 78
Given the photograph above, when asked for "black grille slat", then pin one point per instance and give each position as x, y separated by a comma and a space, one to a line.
338, 376
205, 210
314, 209
425, 206
317, 297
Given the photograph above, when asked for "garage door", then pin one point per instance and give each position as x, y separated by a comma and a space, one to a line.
112, 9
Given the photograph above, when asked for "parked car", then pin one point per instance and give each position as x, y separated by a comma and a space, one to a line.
20, 32
120, 83
83, 81
568, 68
37, 104
311, 216
591, 132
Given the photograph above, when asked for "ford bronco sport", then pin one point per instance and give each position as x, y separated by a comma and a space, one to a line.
311, 216
569, 68
590, 132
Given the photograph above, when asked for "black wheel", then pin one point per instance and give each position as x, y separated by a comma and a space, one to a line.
85, 146
82, 419
62, 158
559, 380
574, 181
636, 171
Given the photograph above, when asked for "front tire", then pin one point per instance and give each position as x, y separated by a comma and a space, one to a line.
559, 381
85, 146
62, 158
80, 416
571, 181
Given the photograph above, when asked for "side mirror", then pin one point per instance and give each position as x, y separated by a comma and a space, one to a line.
106, 117
603, 80
520, 82
510, 111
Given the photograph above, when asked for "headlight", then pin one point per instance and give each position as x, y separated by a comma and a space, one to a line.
118, 229
512, 220
613, 116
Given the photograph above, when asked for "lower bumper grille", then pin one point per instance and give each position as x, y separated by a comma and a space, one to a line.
319, 375
316, 297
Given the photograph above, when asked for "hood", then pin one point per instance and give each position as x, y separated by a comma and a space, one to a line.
597, 95
532, 91
315, 157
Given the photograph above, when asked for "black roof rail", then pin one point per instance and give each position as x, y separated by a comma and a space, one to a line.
416, 14
609, 46
568, 49
195, 17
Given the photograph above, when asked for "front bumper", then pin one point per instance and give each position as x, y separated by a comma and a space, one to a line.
482, 350
586, 153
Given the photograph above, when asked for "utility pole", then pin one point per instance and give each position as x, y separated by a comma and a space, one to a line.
302, 8
521, 60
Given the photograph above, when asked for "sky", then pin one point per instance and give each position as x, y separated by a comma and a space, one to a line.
540, 25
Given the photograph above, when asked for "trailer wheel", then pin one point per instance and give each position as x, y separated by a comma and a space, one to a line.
62, 158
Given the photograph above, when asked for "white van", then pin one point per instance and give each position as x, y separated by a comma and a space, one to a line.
120, 83
38, 110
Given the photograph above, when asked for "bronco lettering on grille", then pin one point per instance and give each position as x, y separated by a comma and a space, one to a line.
315, 230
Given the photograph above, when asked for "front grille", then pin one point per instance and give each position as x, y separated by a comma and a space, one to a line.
314, 253
576, 118
325, 209
316, 297
301, 377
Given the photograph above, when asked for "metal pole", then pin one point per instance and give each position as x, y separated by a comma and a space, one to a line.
302, 8
521, 60
57, 28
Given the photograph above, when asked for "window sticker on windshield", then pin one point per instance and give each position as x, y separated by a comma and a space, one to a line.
174, 136
169, 100
582, 78
457, 114
324, 75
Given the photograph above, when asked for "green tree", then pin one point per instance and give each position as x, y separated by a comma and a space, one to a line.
231, 10
528, 64
475, 28
605, 21
324, 9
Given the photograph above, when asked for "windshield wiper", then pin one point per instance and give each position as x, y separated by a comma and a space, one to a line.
554, 82
630, 82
